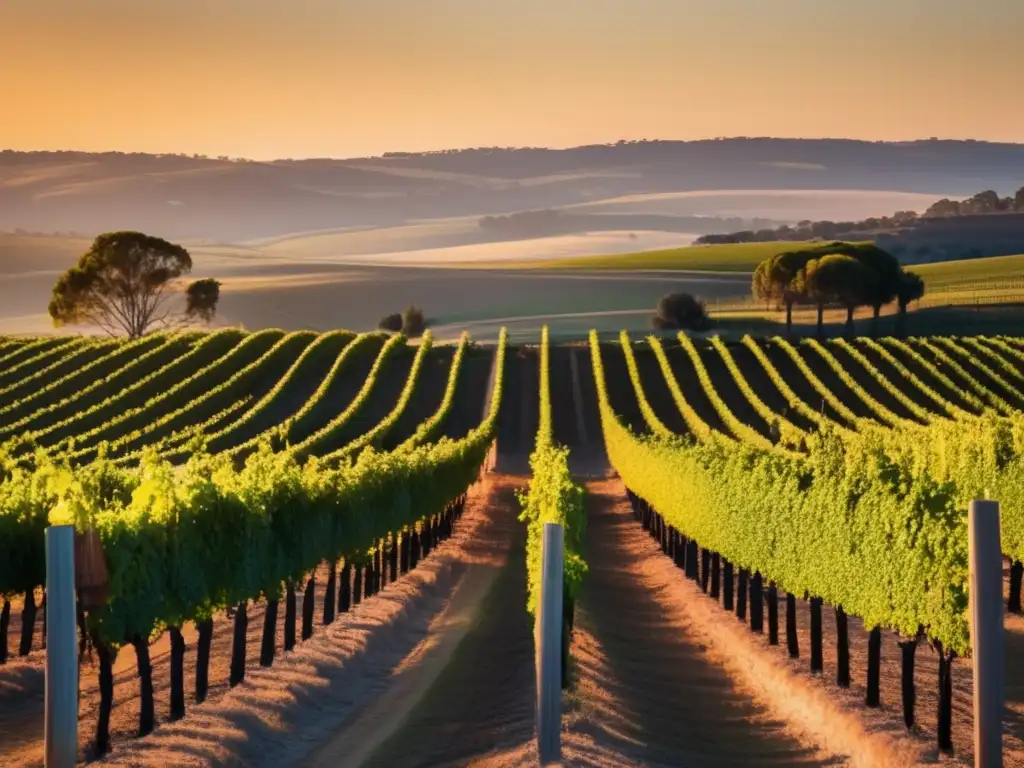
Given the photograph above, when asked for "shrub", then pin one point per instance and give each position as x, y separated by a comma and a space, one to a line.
413, 322
682, 311
391, 323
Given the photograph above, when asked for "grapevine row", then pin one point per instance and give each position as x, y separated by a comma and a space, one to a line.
380, 430
427, 431
80, 357
923, 414
219, 439
335, 425
201, 357
818, 527
940, 354
193, 398
907, 350
552, 497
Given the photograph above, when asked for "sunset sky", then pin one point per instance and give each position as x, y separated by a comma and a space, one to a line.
304, 78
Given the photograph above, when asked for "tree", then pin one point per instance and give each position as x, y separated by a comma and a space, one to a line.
392, 322
413, 321
682, 311
126, 281
774, 280
983, 202
201, 298
943, 208
910, 288
1018, 200
836, 278
884, 276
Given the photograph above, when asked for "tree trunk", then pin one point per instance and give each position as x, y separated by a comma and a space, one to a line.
357, 585
876, 311
691, 560
873, 698
28, 623
403, 560
238, 645
901, 320
715, 575
106, 658
425, 541
849, 321
329, 593
414, 549
727, 583
393, 559
203, 642
756, 603
289, 616
308, 603
269, 642
345, 588
842, 649
792, 640
773, 614
5, 622
378, 570
1012, 604
83, 632
817, 663
147, 715
908, 649
789, 318
944, 733
177, 673
821, 320
705, 569
741, 595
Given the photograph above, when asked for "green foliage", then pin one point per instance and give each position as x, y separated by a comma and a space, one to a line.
787, 432
844, 524
81, 376
177, 376
551, 497
847, 274
377, 433
335, 425
298, 426
181, 543
682, 311
201, 299
200, 388
413, 322
392, 323
124, 282
428, 430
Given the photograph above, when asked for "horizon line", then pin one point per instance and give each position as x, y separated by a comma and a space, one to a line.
509, 148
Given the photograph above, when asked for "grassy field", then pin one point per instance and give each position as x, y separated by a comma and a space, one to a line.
951, 273
740, 257
269, 286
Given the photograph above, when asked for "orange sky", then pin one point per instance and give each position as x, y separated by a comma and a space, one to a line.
299, 78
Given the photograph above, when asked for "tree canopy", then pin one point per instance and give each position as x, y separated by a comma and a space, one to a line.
125, 282
848, 274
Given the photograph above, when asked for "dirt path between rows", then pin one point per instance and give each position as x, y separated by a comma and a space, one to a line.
650, 692
339, 695
467, 688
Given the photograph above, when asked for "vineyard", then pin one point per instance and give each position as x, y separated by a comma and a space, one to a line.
266, 483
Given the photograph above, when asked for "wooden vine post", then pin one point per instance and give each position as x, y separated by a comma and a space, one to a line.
986, 612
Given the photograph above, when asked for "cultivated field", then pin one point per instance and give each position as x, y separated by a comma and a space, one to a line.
352, 611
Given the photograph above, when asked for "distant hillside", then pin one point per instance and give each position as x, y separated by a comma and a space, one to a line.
984, 224
189, 197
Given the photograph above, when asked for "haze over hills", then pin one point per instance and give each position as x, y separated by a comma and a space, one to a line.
623, 186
